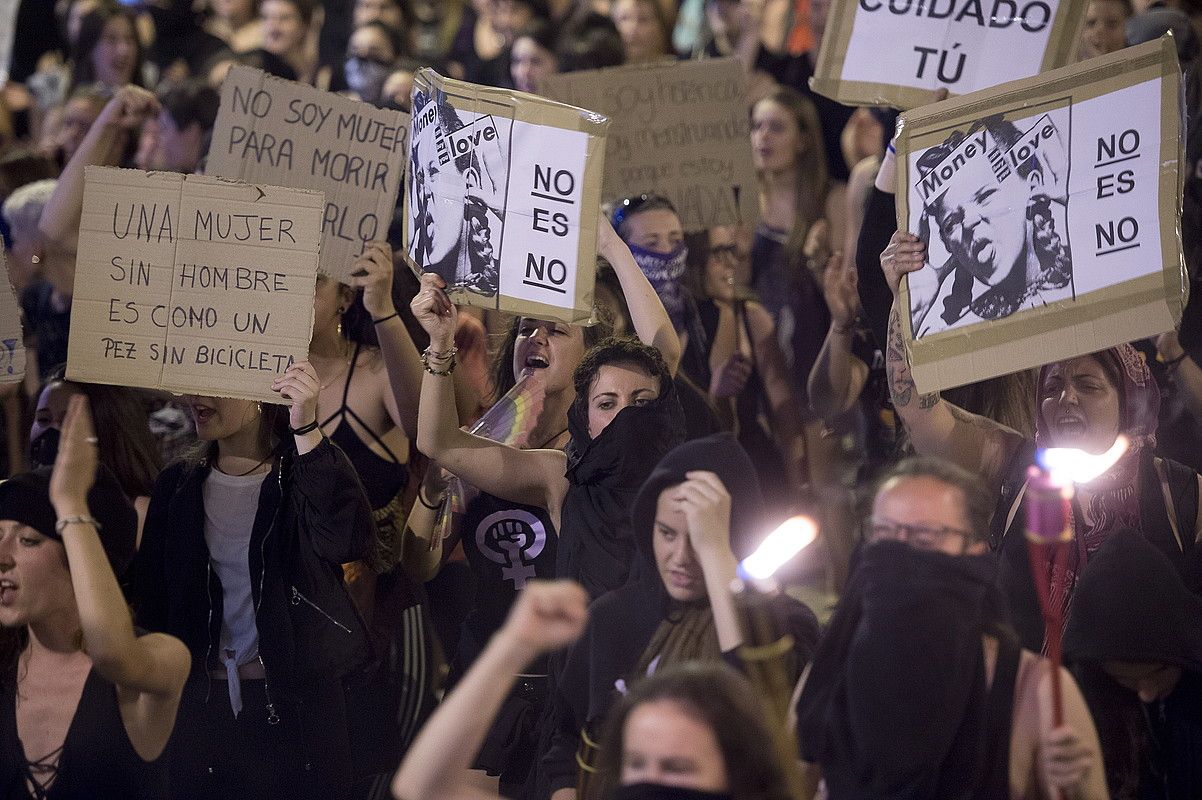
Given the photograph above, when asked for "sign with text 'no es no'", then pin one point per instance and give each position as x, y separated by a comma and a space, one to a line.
1051, 223
503, 196
192, 284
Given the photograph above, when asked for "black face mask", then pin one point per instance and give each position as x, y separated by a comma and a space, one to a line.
652, 791
44, 449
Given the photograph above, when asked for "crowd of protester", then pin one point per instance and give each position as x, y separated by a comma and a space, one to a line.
204, 597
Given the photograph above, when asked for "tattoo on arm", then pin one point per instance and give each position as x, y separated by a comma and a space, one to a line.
901, 383
928, 400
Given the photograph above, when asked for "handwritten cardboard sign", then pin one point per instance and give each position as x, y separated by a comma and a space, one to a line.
1051, 222
897, 52
503, 191
679, 129
192, 284
283, 133
12, 343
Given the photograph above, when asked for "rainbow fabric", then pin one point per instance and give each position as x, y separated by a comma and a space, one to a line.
510, 421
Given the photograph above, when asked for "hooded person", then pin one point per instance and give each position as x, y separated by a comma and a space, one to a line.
918, 689
694, 516
1134, 640
1086, 402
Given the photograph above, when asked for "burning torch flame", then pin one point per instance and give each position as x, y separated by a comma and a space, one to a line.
793, 536
1066, 465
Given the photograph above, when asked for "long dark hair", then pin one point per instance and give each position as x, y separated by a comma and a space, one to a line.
91, 30
812, 173
126, 445
502, 358
715, 695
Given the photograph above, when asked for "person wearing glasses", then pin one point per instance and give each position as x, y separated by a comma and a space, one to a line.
920, 688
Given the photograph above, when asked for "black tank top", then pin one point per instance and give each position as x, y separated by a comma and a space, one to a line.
506, 544
97, 761
382, 479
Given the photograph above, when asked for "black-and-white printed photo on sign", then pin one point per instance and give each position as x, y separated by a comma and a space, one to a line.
460, 164
993, 208
1050, 211
502, 196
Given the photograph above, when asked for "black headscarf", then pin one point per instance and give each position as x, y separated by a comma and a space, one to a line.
25, 498
1132, 606
895, 703
596, 546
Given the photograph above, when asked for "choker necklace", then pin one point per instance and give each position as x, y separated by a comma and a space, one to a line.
217, 466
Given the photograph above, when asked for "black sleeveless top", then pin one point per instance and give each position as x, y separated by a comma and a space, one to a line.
382, 479
999, 720
97, 760
506, 544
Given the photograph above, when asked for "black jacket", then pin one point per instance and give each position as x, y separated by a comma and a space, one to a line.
312, 517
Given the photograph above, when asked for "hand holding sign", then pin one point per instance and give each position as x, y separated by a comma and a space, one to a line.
299, 386
435, 313
372, 272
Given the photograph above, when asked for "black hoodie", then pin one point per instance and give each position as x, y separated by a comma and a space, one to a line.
622, 622
1131, 606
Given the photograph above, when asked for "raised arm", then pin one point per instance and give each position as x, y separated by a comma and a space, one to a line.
545, 617
936, 427
120, 118
651, 321
373, 273
152, 667
532, 477
837, 377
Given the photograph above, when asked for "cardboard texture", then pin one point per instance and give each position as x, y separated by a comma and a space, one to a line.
8, 29
679, 129
503, 191
1052, 223
897, 52
12, 340
192, 284
279, 132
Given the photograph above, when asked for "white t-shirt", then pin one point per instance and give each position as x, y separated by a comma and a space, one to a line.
230, 504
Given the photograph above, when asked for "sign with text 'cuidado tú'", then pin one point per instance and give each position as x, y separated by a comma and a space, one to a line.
192, 284
897, 52
503, 196
284, 133
678, 129
1051, 222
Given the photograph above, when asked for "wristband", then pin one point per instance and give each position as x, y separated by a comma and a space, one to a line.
302, 430
385, 319
61, 525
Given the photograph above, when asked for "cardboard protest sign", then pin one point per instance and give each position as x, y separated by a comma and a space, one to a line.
897, 52
280, 132
12, 342
679, 129
1051, 222
192, 284
8, 29
503, 191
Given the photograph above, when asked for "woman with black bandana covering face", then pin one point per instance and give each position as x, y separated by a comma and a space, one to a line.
697, 513
86, 703
691, 732
624, 417
918, 689
1135, 642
